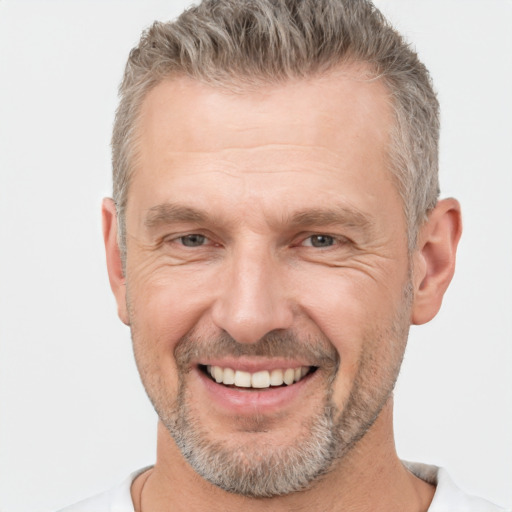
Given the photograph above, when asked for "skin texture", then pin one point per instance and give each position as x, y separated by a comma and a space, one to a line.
259, 176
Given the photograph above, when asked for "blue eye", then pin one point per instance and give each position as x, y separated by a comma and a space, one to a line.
320, 241
193, 240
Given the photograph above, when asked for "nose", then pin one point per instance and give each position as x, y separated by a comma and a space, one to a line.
251, 299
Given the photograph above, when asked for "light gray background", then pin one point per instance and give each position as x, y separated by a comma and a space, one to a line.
74, 418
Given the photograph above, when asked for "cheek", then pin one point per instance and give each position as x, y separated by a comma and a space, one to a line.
163, 308
159, 315
356, 313
344, 304
167, 300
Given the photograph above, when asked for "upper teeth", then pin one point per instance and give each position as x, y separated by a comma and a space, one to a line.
261, 379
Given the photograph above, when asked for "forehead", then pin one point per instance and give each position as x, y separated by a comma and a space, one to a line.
337, 108
300, 135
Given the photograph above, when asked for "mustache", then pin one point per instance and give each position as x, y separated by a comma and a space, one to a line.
315, 350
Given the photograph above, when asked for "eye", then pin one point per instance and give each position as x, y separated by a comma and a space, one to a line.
319, 241
193, 240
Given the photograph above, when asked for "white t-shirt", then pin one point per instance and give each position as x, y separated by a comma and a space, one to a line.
447, 498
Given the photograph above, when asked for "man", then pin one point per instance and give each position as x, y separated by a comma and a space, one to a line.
274, 232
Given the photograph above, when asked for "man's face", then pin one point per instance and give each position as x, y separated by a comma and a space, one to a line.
266, 241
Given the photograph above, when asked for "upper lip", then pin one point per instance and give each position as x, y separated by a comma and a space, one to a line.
253, 364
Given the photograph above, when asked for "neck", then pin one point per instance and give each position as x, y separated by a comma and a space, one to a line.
369, 478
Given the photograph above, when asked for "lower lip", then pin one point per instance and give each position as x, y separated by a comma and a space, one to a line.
251, 401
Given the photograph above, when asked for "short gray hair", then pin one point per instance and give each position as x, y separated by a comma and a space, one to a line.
245, 44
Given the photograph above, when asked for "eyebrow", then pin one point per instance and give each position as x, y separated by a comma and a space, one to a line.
168, 213
333, 215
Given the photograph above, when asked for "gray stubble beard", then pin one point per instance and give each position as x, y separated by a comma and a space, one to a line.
326, 438
260, 471
256, 471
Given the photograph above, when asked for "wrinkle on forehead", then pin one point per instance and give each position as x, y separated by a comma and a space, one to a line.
254, 147
240, 162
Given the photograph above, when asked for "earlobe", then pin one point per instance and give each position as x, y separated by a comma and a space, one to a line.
434, 259
113, 255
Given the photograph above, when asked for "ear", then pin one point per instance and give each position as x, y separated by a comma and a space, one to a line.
114, 263
434, 259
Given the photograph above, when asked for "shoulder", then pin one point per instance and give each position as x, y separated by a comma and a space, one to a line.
448, 496
117, 499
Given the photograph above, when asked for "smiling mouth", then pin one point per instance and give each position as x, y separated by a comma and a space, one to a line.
263, 379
